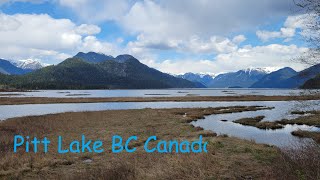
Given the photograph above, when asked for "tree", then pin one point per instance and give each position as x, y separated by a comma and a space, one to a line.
311, 33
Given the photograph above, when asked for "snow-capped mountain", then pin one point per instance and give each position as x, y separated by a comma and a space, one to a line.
203, 78
31, 64
242, 78
267, 70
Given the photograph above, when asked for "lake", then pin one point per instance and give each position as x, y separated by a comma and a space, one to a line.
154, 93
282, 109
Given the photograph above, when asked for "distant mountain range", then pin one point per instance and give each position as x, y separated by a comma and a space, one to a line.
19, 67
89, 71
275, 79
29, 64
313, 83
6, 67
96, 70
242, 78
259, 78
201, 79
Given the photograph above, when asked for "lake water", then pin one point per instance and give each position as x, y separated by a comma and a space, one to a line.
282, 109
153, 93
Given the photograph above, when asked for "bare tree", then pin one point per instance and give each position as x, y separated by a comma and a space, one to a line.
311, 33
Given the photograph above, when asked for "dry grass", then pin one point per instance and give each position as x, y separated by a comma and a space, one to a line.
312, 120
36, 100
300, 162
307, 134
228, 158
256, 122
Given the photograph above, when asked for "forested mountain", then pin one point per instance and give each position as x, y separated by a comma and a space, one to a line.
123, 71
243, 78
6, 67
204, 79
275, 79
313, 83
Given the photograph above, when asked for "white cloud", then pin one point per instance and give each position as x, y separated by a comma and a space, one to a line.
194, 44
270, 56
31, 1
171, 18
239, 39
289, 28
8, 23
91, 43
40, 36
97, 10
88, 29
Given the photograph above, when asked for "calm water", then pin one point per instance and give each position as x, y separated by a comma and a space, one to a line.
279, 137
153, 93
282, 110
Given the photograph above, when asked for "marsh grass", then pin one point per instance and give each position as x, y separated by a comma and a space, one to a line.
37, 100
307, 134
227, 157
258, 123
312, 120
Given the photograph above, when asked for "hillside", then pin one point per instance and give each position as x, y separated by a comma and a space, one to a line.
299, 79
203, 79
76, 73
313, 83
6, 67
93, 57
275, 79
243, 78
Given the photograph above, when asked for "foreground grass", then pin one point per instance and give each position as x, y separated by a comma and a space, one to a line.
37, 100
227, 158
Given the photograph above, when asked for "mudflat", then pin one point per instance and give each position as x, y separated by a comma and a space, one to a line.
44, 100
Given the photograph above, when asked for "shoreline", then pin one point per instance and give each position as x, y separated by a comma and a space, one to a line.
46, 100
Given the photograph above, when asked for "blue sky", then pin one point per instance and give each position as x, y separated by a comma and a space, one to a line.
174, 36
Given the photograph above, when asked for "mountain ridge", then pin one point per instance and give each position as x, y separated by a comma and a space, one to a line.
126, 72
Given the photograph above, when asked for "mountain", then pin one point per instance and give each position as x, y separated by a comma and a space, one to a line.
29, 64
6, 67
204, 79
123, 72
313, 83
299, 79
243, 78
275, 79
93, 57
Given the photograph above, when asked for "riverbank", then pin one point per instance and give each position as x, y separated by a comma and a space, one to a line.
44, 100
227, 157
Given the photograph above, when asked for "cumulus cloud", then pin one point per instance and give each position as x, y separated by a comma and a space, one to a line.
239, 39
205, 17
273, 55
86, 29
8, 23
97, 10
289, 28
194, 44
26, 35
30, 1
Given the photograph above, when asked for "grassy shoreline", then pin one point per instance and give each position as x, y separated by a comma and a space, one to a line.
44, 100
227, 157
